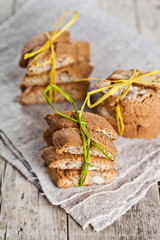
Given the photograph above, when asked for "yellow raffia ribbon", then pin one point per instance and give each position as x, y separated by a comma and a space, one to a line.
50, 44
116, 85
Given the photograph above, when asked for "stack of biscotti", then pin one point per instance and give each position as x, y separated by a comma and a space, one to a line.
72, 63
64, 155
140, 108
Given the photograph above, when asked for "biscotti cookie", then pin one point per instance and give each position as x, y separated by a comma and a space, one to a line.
68, 140
70, 178
66, 145
74, 161
71, 63
65, 157
64, 75
35, 94
132, 130
66, 54
83, 48
127, 74
47, 136
93, 121
37, 42
140, 108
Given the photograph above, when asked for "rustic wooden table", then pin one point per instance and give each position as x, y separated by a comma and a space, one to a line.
25, 214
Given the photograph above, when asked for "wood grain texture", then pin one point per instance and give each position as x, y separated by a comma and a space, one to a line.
25, 214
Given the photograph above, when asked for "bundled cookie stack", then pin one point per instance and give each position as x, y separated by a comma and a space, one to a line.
64, 154
140, 108
72, 63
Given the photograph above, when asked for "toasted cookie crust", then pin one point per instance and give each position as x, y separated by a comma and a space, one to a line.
132, 130
141, 113
83, 48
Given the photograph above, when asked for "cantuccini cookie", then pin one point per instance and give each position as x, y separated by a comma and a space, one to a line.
64, 155
65, 75
66, 55
94, 122
37, 41
68, 140
70, 178
71, 64
83, 48
74, 161
140, 108
35, 94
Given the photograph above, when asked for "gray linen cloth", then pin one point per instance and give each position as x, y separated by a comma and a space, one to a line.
113, 46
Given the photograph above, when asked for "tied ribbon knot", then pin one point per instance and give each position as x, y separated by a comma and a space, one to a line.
87, 140
49, 43
115, 85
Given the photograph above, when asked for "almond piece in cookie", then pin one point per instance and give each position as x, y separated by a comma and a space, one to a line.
70, 178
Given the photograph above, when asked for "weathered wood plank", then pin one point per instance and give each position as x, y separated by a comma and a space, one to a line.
148, 18
137, 15
5, 9
141, 15
25, 214
141, 222
121, 10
